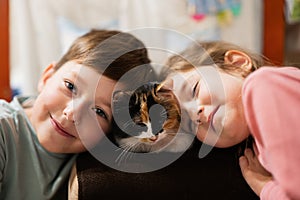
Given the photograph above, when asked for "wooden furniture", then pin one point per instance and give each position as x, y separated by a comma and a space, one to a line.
5, 92
274, 30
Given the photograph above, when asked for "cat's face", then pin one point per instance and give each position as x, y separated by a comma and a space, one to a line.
148, 119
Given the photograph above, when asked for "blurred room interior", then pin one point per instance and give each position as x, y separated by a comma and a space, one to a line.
35, 33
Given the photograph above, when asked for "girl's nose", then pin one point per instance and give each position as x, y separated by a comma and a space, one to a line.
194, 111
200, 110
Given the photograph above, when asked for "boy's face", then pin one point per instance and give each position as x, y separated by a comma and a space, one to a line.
73, 109
211, 105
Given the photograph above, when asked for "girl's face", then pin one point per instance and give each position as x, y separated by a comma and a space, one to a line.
211, 105
73, 109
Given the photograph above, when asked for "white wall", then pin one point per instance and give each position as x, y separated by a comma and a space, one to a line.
42, 30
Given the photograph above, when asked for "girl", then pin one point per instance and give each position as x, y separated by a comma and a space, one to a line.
228, 95
41, 135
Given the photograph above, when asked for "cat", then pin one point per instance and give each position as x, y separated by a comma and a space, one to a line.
148, 120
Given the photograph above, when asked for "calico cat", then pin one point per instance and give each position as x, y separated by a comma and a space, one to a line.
148, 120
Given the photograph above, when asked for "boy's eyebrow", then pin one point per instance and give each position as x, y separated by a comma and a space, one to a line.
75, 74
106, 103
103, 103
79, 79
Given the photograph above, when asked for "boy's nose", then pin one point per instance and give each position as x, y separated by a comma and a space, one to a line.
69, 113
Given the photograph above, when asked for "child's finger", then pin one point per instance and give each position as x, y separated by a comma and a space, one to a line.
255, 148
249, 154
243, 162
244, 165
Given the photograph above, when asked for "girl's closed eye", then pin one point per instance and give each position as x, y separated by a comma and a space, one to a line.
70, 86
195, 89
100, 112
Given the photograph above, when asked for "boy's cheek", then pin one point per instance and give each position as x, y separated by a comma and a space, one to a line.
91, 132
90, 141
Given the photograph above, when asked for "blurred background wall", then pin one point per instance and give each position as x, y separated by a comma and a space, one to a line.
40, 31
35, 33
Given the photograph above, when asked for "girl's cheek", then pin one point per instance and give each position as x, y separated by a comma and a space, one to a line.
205, 94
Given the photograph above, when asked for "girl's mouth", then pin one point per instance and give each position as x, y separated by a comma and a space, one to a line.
58, 128
211, 118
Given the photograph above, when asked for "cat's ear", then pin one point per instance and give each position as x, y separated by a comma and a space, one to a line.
121, 96
165, 90
165, 86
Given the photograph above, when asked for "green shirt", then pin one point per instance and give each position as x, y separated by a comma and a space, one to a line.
27, 170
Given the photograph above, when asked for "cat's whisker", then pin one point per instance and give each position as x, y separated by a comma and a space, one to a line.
121, 155
126, 151
124, 148
133, 147
121, 147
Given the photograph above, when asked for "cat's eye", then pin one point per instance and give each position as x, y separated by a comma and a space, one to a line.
70, 86
161, 130
141, 124
141, 127
195, 89
100, 112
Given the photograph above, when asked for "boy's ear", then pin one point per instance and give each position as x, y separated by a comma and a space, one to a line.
238, 58
48, 72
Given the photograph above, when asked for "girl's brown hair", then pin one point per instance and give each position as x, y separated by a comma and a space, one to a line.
209, 53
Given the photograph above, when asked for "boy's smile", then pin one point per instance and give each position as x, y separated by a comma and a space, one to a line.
72, 111
58, 127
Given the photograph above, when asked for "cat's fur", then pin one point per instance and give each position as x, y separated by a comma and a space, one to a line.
148, 120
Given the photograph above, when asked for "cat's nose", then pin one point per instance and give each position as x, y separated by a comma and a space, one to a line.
153, 138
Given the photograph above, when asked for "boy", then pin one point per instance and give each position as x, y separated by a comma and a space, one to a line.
41, 135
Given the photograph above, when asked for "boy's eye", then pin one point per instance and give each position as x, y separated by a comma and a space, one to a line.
70, 86
100, 112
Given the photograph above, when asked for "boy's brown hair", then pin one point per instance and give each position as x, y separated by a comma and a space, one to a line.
110, 52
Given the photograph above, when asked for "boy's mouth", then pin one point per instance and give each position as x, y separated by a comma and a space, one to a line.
58, 127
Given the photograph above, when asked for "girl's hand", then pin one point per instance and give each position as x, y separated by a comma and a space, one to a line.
254, 173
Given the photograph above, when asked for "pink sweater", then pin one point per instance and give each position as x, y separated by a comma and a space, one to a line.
271, 98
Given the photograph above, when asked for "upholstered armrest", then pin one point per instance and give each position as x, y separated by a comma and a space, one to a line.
73, 184
216, 176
